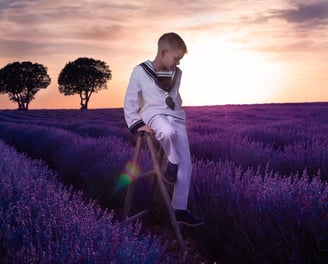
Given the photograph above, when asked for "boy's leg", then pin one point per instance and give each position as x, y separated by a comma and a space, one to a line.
182, 185
172, 135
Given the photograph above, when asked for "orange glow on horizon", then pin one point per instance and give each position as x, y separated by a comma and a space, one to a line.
229, 74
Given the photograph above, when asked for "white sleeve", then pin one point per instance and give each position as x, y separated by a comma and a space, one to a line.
132, 102
179, 98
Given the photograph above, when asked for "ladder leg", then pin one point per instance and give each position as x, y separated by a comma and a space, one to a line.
127, 203
130, 190
157, 157
165, 194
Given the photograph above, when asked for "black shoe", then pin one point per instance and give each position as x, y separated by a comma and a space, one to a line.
171, 172
185, 217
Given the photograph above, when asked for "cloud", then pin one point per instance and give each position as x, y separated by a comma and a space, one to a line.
304, 13
37, 27
13, 48
75, 27
304, 17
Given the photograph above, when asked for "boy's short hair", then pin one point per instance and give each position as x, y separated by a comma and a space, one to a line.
174, 40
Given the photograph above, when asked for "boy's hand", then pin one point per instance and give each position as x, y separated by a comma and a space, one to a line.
146, 129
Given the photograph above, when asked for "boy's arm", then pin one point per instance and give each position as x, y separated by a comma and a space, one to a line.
179, 98
132, 104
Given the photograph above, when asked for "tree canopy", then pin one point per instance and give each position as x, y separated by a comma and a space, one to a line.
84, 76
21, 81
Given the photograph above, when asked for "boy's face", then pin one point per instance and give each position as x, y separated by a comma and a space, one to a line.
171, 58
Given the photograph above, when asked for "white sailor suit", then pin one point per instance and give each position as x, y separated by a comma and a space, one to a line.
145, 103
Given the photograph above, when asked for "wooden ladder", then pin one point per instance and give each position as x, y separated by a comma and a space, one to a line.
157, 156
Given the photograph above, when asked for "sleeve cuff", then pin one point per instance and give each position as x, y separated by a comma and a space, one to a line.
134, 128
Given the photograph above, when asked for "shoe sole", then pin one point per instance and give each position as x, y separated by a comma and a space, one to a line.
169, 182
188, 224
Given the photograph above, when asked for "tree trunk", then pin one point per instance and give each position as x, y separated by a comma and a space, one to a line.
82, 104
85, 100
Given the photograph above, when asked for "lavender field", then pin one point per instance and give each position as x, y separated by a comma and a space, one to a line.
259, 181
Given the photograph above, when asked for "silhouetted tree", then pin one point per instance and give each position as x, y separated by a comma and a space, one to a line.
21, 81
84, 76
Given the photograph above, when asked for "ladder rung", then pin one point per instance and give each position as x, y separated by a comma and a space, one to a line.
144, 175
137, 215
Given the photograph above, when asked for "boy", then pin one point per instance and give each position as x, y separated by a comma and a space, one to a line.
152, 104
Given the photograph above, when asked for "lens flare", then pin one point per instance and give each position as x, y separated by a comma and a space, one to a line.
131, 170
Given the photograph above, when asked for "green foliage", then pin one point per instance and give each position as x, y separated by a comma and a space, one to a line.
84, 76
21, 81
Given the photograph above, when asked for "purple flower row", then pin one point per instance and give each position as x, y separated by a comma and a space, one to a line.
41, 221
257, 174
256, 218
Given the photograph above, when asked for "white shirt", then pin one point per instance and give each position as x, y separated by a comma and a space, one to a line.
144, 99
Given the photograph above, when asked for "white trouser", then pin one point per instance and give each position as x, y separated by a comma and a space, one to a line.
172, 135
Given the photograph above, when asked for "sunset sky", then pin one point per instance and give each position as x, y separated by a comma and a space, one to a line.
239, 51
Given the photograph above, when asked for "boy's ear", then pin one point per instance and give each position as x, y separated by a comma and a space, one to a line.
164, 51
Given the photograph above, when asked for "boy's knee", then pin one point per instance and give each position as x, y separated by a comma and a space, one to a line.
167, 133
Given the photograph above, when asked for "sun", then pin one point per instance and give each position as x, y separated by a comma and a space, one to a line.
223, 73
